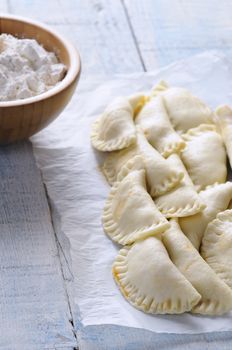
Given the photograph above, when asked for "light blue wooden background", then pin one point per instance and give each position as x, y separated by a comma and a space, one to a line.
113, 36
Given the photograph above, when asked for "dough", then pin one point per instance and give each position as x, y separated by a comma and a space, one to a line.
114, 129
157, 127
216, 247
205, 156
130, 213
182, 200
150, 281
216, 199
216, 297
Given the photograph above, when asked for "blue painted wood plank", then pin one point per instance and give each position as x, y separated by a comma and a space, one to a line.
122, 338
169, 30
34, 303
98, 28
34, 313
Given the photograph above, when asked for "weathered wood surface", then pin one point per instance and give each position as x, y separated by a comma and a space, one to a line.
34, 311
98, 28
33, 317
117, 36
169, 30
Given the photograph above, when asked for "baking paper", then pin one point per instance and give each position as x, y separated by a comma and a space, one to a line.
77, 188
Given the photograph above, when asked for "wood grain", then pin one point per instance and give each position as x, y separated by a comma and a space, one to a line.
33, 308
169, 30
101, 31
98, 28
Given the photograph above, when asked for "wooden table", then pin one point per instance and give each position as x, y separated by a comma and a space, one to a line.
117, 36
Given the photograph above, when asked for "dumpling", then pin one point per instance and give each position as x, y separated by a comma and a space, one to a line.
135, 163
205, 156
216, 246
182, 200
161, 176
157, 128
114, 129
116, 160
158, 88
224, 119
150, 281
130, 213
185, 110
137, 101
216, 199
216, 297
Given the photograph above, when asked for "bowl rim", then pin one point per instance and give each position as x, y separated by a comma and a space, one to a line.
73, 71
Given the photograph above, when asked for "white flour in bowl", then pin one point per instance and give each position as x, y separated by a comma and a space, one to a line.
26, 68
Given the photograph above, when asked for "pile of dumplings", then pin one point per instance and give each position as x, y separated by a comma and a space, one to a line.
169, 204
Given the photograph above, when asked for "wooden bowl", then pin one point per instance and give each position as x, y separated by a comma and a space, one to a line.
20, 119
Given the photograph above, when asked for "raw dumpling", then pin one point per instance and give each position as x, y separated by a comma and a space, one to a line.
157, 128
150, 281
137, 101
182, 200
216, 297
116, 160
135, 163
160, 87
224, 119
216, 247
205, 156
161, 176
130, 213
114, 129
185, 110
216, 199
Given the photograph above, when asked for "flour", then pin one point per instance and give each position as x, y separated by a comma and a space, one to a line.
26, 68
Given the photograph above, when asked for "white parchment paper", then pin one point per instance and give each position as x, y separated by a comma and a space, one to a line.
78, 190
